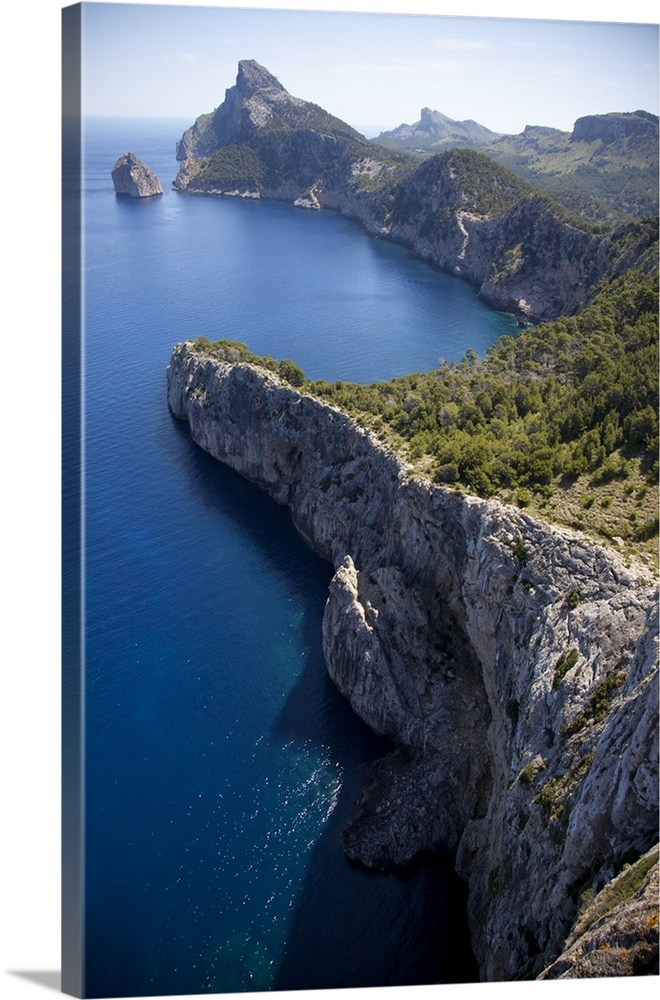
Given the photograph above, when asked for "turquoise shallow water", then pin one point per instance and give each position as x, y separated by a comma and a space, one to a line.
221, 763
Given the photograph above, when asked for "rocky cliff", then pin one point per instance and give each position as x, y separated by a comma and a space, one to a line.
460, 210
134, 179
469, 216
263, 142
633, 129
514, 666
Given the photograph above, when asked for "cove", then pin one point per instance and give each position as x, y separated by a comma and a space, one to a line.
220, 761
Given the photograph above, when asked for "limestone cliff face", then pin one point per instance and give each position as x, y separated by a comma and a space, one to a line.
640, 128
513, 664
133, 178
515, 246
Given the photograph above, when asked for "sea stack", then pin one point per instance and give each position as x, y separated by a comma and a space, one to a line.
133, 178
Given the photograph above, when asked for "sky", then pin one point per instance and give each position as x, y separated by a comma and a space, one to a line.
373, 70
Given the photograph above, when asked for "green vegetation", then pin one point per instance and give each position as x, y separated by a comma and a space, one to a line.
293, 142
573, 596
291, 372
519, 551
562, 420
490, 188
237, 165
598, 706
548, 799
623, 183
233, 351
565, 663
624, 887
529, 771
558, 792
602, 179
546, 420
601, 196
464, 178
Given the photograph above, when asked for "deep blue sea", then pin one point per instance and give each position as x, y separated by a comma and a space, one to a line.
221, 763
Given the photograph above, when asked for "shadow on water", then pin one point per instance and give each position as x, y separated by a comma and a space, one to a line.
268, 524
404, 929
358, 928
351, 927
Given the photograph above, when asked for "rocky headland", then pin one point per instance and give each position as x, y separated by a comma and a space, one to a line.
513, 664
458, 209
134, 179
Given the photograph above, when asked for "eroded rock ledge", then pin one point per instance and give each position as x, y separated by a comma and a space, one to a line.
514, 665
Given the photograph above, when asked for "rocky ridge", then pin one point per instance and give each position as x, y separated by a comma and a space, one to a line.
134, 179
514, 666
607, 167
460, 210
436, 130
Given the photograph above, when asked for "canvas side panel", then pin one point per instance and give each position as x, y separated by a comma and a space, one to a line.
72, 513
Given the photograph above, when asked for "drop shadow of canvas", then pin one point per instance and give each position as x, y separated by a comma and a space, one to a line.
49, 980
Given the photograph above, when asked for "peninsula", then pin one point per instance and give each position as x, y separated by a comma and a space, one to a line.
512, 661
513, 664
460, 210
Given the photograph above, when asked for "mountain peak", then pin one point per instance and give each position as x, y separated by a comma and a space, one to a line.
436, 129
252, 76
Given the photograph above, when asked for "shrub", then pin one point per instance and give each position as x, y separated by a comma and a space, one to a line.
526, 776
649, 529
573, 598
447, 473
565, 663
291, 372
529, 772
616, 892
519, 551
548, 798
598, 706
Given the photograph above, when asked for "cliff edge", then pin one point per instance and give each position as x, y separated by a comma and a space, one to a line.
513, 664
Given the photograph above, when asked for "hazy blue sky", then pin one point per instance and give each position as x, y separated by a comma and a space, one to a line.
373, 70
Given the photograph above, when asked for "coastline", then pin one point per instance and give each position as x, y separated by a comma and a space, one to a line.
415, 566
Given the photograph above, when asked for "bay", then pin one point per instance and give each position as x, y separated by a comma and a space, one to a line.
220, 762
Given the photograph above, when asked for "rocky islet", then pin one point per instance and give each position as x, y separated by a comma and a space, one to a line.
134, 179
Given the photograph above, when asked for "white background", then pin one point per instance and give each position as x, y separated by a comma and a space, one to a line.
29, 504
